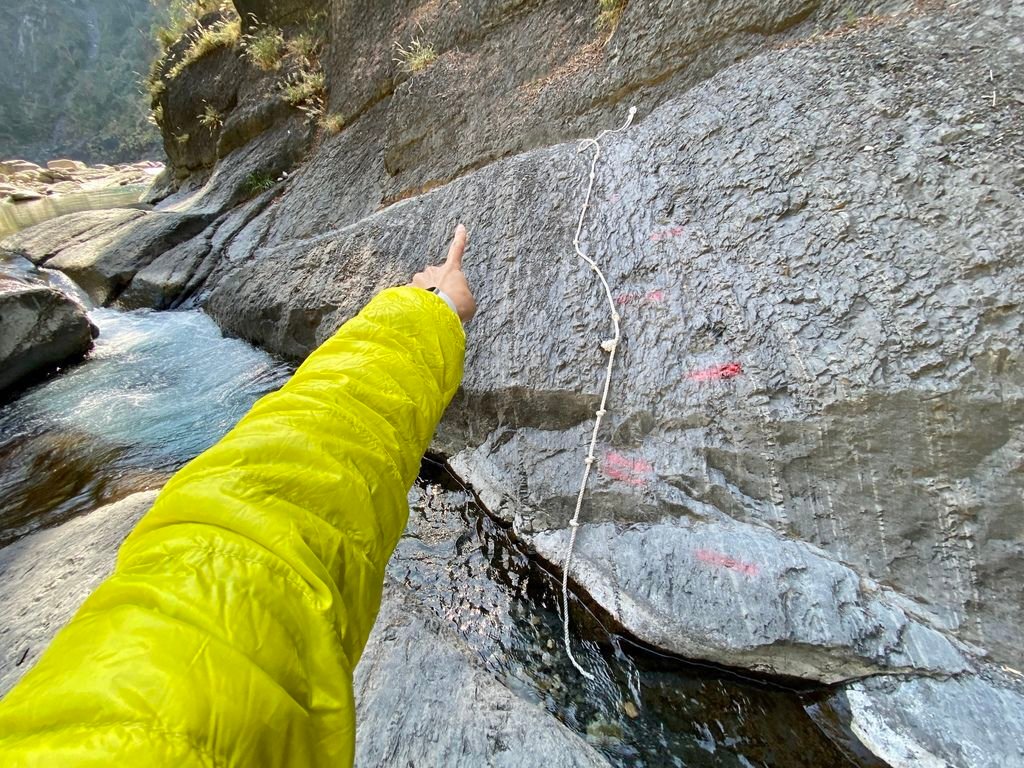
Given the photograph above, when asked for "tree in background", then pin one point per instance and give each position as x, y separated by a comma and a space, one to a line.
71, 75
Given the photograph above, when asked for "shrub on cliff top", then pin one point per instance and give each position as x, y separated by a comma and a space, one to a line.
179, 15
206, 40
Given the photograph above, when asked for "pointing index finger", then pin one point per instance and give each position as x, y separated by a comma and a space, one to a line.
457, 247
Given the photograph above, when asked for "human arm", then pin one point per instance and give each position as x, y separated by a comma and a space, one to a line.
228, 633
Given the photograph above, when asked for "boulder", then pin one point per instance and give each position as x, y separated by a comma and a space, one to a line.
20, 195
102, 250
11, 167
969, 720
41, 328
66, 165
176, 273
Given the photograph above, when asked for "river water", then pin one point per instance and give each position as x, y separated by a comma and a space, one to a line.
157, 389
160, 387
16, 216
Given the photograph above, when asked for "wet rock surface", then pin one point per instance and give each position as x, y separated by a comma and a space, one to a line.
41, 328
426, 701
940, 722
461, 666
740, 595
102, 250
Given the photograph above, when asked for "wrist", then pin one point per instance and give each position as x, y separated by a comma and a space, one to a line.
446, 298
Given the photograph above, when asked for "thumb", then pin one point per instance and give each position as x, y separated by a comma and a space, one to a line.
456, 249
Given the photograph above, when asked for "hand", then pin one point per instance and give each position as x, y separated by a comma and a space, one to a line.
449, 277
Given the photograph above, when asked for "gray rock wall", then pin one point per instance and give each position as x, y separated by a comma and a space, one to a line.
815, 255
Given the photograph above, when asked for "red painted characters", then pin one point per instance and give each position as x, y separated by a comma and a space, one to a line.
722, 560
716, 372
635, 472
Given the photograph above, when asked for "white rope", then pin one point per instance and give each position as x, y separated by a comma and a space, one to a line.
610, 346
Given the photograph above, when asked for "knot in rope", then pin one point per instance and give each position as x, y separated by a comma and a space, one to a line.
609, 346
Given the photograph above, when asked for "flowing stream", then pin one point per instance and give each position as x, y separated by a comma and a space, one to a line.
157, 389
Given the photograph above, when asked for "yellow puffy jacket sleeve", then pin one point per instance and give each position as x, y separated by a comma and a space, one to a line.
228, 633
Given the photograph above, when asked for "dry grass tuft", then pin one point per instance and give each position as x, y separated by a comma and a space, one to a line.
265, 48
206, 40
416, 58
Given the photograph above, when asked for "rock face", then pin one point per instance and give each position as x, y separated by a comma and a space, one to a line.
940, 723
40, 329
818, 338
740, 595
209, 106
424, 702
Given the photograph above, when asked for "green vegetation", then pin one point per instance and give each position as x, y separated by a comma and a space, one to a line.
69, 86
609, 13
264, 48
211, 118
177, 16
332, 123
304, 46
417, 57
257, 183
306, 88
206, 40
182, 138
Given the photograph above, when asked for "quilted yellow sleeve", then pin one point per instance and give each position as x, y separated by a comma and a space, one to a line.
228, 632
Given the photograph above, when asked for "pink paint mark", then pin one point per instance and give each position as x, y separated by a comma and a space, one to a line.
665, 233
614, 198
633, 472
711, 557
628, 297
716, 372
657, 296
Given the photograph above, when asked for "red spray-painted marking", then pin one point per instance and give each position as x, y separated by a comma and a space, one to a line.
666, 232
716, 372
711, 557
657, 296
626, 470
